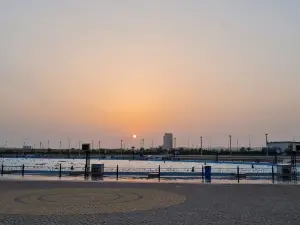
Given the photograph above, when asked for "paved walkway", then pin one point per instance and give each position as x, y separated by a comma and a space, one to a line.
59, 202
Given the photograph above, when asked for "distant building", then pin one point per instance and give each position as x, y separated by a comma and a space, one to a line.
168, 141
283, 146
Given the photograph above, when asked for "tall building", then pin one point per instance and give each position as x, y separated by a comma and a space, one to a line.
168, 141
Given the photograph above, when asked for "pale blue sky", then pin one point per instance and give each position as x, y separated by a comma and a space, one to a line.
103, 70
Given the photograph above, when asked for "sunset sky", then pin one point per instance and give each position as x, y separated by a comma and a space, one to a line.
103, 70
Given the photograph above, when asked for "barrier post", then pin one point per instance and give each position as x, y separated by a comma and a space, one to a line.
23, 168
59, 170
238, 174
273, 174
117, 172
159, 172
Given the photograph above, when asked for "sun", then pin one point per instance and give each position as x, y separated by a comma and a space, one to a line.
134, 136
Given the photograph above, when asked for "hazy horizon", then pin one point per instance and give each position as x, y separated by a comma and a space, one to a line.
103, 70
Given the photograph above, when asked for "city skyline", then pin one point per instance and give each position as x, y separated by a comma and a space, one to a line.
104, 70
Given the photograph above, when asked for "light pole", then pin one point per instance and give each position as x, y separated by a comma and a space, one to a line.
230, 145
237, 145
99, 147
48, 144
267, 150
175, 143
69, 147
249, 142
69, 143
60, 146
79, 142
121, 149
201, 145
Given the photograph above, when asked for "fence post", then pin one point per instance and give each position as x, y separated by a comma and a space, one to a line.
85, 171
23, 168
238, 174
202, 173
159, 172
273, 174
117, 172
2, 170
59, 170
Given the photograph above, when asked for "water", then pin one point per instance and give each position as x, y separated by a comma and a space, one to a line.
171, 166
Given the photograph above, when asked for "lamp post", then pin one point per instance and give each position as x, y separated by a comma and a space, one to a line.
230, 145
69, 143
175, 143
60, 146
267, 150
99, 147
201, 145
121, 148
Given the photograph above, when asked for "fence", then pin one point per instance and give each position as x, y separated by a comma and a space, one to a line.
237, 173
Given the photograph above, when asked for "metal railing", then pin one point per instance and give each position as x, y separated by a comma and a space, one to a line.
237, 173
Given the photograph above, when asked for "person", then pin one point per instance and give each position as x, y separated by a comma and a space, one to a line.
252, 166
72, 167
193, 169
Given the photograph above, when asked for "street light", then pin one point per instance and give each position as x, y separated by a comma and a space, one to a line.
99, 147
267, 150
201, 145
230, 145
69, 143
174, 142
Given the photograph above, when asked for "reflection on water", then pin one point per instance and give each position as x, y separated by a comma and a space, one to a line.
145, 180
67, 164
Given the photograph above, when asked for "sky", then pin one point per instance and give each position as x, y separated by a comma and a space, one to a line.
105, 70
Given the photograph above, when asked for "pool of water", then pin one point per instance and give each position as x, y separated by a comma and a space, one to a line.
170, 166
